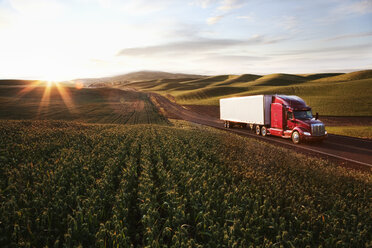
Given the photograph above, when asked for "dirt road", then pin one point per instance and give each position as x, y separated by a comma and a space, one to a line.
347, 151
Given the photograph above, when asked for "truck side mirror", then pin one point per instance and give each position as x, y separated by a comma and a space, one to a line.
316, 116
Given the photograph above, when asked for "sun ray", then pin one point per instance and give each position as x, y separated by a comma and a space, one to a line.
27, 89
44, 102
66, 97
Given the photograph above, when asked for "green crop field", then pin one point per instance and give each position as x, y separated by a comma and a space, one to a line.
329, 94
21, 100
66, 184
364, 132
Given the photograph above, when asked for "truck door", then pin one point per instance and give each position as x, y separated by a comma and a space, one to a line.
290, 121
277, 115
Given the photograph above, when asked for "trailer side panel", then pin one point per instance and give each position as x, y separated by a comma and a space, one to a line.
249, 109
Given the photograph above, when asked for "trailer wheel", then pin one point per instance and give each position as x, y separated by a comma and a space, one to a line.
225, 124
229, 124
296, 137
263, 131
258, 130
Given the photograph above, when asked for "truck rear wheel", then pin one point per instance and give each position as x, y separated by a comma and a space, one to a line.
258, 130
296, 137
263, 131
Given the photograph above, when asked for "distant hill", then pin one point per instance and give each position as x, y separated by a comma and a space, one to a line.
136, 77
279, 79
240, 79
14, 82
356, 75
152, 75
315, 76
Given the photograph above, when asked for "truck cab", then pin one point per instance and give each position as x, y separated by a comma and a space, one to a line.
292, 118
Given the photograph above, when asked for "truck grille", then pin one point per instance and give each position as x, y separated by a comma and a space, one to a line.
317, 129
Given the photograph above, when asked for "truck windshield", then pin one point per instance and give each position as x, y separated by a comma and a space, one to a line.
303, 114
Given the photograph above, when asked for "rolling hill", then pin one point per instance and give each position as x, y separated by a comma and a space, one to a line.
335, 94
136, 77
357, 75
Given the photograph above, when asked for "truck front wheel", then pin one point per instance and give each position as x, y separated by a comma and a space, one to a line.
296, 137
258, 130
263, 131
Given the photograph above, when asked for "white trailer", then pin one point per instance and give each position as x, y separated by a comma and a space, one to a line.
254, 110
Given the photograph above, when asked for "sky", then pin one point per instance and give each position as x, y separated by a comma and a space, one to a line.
67, 39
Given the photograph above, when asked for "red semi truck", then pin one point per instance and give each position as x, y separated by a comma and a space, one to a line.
278, 115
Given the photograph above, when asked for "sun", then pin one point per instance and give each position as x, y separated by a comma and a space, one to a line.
50, 83
53, 77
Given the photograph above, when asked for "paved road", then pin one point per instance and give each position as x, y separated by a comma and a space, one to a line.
347, 150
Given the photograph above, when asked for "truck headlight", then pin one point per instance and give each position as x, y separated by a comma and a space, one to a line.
325, 132
307, 133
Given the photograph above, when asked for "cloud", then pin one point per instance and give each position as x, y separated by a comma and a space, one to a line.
146, 7
235, 58
225, 7
196, 46
359, 7
214, 19
183, 47
137, 7
348, 36
289, 23
182, 31
204, 3
222, 5
37, 8
230, 4
246, 17
345, 10
359, 50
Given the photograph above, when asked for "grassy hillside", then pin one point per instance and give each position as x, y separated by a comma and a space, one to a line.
329, 94
320, 75
89, 185
101, 105
136, 76
239, 79
278, 80
366, 74
364, 132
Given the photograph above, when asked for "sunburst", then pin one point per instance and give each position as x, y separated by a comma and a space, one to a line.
45, 100
66, 97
